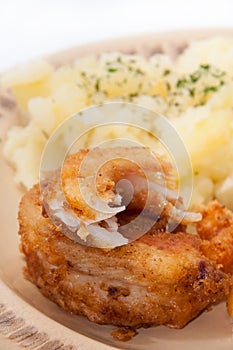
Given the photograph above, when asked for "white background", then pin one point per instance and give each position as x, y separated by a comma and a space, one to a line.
29, 28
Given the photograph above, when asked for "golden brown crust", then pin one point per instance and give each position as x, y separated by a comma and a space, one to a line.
216, 230
162, 278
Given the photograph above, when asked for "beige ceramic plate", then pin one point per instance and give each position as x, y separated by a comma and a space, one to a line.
29, 319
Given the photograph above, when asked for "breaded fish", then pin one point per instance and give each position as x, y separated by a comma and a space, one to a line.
216, 230
160, 279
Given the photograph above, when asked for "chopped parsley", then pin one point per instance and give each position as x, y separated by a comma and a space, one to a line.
210, 88
139, 71
97, 85
132, 95
168, 85
166, 72
181, 83
192, 91
205, 66
112, 70
206, 79
195, 76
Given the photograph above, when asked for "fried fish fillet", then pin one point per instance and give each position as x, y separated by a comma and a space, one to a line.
160, 279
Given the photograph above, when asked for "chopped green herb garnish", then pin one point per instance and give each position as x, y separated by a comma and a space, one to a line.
199, 104
168, 85
112, 70
166, 72
97, 85
192, 91
210, 88
205, 66
195, 76
133, 95
181, 83
139, 71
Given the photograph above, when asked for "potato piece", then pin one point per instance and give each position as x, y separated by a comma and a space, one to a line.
28, 80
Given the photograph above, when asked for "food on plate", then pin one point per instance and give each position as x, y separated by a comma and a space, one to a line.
162, 278
194, 91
